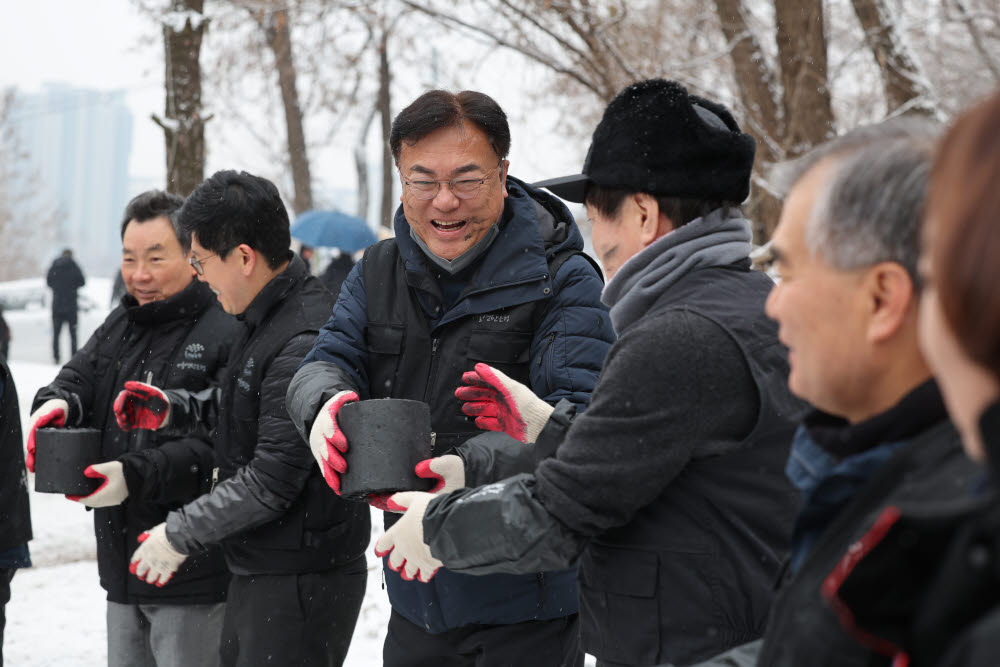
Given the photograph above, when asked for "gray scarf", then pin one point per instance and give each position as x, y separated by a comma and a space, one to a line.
719, 238
466, 258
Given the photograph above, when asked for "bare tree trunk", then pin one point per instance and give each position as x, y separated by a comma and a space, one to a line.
757, 87
275, 25
361, 165
754, 80
900, 75
385, 110
183, 127
801, 39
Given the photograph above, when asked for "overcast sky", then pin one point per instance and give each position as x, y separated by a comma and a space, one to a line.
108, 44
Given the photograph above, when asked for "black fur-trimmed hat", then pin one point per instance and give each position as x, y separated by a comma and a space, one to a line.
657, 138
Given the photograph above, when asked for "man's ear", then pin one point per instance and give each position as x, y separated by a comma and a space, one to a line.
247, 257
891, 299
652, 223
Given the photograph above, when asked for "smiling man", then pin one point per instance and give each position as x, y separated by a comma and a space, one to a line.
295, 549
483, 268
167, 328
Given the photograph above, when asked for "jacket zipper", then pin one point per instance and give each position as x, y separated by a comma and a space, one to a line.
541, 592
548, 341
215, 479
430, 374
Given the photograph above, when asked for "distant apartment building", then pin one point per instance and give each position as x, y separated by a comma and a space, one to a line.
79, 141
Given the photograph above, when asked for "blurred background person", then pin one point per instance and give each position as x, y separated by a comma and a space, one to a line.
335, 272
65, 278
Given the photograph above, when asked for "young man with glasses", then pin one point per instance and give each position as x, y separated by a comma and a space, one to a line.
296, 550
483, 268
169, 329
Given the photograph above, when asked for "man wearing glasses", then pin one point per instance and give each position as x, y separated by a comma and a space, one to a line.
296, 550
170, 331
483, 268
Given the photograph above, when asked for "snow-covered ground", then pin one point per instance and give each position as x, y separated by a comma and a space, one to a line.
56, 614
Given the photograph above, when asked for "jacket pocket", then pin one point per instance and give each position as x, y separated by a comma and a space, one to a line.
619, 610
507, 351
385, 348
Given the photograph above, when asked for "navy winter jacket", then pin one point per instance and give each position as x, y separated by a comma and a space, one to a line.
561, 361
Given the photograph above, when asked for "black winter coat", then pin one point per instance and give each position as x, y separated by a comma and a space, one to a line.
65, 278
928, 471
179, 342
15, 516
924, 582
272, 512
669, 488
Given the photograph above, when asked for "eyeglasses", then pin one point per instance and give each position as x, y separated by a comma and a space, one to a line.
463, 188
196, 263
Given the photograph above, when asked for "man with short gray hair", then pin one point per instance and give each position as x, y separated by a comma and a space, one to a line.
846, 249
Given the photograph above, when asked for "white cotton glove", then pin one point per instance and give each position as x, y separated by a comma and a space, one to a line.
156, 560
448, 473
328, 442
403, 543
501, 404
447, 470
52, 413
112, 491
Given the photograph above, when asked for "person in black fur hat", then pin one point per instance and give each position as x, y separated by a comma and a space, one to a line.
669, 491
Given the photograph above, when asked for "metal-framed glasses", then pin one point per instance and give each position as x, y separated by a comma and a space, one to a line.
463, 188
196, 262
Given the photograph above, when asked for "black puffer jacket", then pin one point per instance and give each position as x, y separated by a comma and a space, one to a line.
273, 512
181, 342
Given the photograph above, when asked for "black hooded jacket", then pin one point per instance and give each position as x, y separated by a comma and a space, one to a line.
179, 342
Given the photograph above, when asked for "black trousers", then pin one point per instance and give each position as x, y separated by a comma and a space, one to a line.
554, 643
58, 319
6, 575
293, 619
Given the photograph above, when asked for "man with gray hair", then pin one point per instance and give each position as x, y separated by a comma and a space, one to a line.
846, 249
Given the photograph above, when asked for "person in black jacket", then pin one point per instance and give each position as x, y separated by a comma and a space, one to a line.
15, 514
669, 488
923, 587
296, 550
336, 272
846, 248
167, 328
65, 278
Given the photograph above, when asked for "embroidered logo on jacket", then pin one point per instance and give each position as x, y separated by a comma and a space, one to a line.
247, 372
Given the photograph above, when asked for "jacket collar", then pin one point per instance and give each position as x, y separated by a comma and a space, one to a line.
919, 409
274, 292
190, 301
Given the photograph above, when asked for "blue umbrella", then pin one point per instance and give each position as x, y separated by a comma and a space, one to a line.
333, 229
